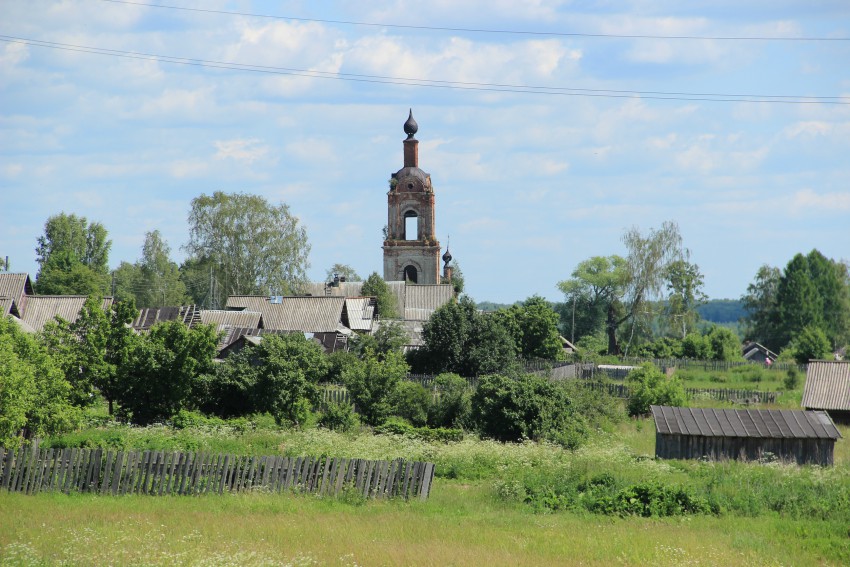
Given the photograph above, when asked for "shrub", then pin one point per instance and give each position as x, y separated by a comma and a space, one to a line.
410, 400
525, 407
649, 386
811, 344
696, 346
339, 417
451, 407
792, 379
371, 382
397, 426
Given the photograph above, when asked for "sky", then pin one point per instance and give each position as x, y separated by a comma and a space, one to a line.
585, 142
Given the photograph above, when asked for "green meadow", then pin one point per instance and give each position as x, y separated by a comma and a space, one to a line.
491, 504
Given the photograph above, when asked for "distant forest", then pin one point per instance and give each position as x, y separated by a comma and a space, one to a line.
722, 310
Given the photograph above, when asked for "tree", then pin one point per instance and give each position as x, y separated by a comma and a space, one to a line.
154, 280
684, 284
760, 304
451, 408
376, 287
289, 368
251, 246
525, 407
648, 386
798, 301
73, 257
725, 344
34, 394
533, 326
457, 281
810, 344
457, 338
391, 336
229, 390
342, 271
164, 370
371, 382
410, 400
832, 282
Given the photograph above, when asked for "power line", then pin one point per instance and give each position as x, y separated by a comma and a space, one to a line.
431, 83
478, 30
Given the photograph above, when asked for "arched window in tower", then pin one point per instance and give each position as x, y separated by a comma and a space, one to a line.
411, 225
411, 275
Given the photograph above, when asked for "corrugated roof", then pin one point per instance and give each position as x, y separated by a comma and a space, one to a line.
150, 316
422, 300
773, 424
306, 314
13, 288
827, 385
361, 313
43, 308
230, 318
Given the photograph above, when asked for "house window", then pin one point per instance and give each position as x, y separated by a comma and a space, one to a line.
411, 226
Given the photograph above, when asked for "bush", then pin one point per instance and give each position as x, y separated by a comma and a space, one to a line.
339, 417
525, 407
811, 344
649, 386
397, 426
696, 346
410, 400
372, 381
451, 407
792, 379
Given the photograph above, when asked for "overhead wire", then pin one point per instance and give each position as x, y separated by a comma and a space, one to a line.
476, 30
432, 83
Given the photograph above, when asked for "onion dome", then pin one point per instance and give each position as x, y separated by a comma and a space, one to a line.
447, 257
410, 126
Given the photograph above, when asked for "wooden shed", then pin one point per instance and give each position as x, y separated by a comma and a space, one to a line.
694, 433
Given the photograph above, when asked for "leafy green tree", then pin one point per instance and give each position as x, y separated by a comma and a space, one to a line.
533, 325
390, 337
811, 344
684, 284
73, 257
798, 302
33, 391
250, 245
525, 407
452, 407
725, 344
371, 382
648, 386
343, 271
164, 370
460, 339
410, 400
832, 281
760, 304
457, 281
154, 280
376, 287
229, 390
289, 369
696, 346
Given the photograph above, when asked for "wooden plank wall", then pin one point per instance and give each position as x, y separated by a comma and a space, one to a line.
30, 470
802, 451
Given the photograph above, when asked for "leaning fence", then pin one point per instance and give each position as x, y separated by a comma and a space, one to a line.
717, 394
30, 470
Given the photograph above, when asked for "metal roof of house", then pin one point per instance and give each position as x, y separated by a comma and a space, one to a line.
306, 314
230, 318
13, 288
43, 308
422, 300
361, 313
752, 348
706, 422
149, 316
827, 385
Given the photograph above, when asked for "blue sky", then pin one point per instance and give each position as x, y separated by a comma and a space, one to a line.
527, 185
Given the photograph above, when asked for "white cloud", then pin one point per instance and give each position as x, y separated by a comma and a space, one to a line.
825, 202
182, 169
11, 54
244, 150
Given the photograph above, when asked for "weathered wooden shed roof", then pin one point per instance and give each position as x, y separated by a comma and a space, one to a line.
306, 314
230, 318
43, 308
765, 424
13, 288
827, 385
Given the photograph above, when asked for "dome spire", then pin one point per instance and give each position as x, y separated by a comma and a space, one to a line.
410, 126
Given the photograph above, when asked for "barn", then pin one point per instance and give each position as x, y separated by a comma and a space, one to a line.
828, 388
694, 433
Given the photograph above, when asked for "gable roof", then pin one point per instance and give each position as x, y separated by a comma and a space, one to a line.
763, 424
751, 349
827, 385
43, 308
230, 318
13, 289
305, 314
422, 300
150, 316
360, 312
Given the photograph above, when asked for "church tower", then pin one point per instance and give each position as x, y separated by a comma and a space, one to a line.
411, 249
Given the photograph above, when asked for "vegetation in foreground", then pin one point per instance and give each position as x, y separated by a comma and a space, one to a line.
496, 503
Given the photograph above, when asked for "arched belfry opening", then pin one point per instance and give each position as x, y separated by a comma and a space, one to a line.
411, 249
410, 274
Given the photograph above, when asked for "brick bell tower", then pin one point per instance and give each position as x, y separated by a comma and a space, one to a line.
411, 249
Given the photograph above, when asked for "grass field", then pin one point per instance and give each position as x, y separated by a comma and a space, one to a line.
491, 504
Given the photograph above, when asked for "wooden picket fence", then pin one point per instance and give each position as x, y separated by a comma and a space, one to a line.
720, 394
30, 470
